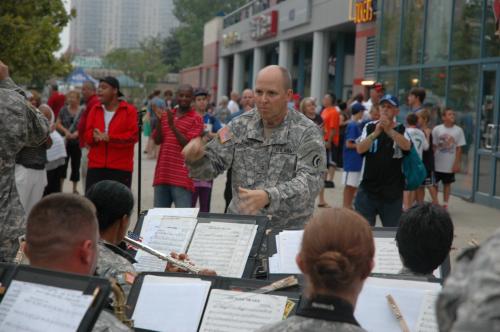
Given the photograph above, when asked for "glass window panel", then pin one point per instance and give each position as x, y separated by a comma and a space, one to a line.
389, 38
462, 97
491, 32
388, 80
413, 23
434, 82
484, 177
437, 34
497, 184
466, 32
407, 79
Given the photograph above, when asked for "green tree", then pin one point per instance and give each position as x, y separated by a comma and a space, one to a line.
30, 36
192, 15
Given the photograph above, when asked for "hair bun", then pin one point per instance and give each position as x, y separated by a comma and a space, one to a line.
333, 267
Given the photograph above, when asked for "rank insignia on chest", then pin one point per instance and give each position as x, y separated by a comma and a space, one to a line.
225, 135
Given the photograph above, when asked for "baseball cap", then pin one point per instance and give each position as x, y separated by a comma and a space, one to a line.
379, 87
390, 99
200, 92
357, 107
113, 82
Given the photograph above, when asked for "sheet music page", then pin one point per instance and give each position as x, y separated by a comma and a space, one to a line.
173, 212
387, 258
165, 234
170, 304
373, 311
287, 247
40, 308
223, 247
229, 311
427, 321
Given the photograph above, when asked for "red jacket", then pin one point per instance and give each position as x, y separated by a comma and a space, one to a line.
91, 102
56, 102
118, 153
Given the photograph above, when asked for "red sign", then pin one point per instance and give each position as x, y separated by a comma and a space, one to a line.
496, 11
264, 25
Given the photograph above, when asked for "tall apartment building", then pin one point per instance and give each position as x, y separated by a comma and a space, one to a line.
101, 26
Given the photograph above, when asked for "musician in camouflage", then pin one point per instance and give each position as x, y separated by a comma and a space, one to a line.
22, 125
277, 156
470, 297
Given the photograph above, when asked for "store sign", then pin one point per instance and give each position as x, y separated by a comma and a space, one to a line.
231, 38
264, 25
364, 10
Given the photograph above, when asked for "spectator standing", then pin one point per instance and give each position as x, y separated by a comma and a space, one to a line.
223, 112
111, 133
203, 188
416, 98
331, 125
56, 100
448, 140
233, 104
168, 95
91, 99
175, 129
308, 108
383, 144
376, 92
424, 116
66, 124
353, 161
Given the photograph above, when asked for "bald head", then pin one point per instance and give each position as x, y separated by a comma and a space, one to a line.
278, 71
62, 234
247, 99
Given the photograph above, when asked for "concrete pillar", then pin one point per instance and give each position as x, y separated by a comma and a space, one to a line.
319, 72
222, 78
238, 69
259, 61
286, 54
340, 64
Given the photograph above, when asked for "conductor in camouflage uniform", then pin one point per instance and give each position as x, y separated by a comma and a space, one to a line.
20, 125
277, 156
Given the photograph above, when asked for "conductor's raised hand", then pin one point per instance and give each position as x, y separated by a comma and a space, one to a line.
252, 201
194, 150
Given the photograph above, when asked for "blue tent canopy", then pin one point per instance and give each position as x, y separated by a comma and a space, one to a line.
78, 76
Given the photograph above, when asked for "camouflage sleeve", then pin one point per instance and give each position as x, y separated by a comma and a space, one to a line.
304, 187
218, 156
9, 84
107, 322
37, 127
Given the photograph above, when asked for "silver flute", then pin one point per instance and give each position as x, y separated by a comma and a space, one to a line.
178, 263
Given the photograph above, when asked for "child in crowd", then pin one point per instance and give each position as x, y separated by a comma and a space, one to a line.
447, 140
421, 144
424, 117
352, 160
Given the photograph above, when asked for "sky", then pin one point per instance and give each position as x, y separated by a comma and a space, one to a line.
64, 36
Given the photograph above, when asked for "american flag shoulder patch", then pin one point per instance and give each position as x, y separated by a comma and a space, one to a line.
225, 135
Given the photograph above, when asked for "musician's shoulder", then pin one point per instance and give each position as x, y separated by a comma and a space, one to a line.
110, 264
304, 324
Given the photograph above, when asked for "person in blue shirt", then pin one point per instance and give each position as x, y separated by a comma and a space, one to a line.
211, 125
352, 160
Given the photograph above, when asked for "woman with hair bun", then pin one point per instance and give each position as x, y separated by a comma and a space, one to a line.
336, 257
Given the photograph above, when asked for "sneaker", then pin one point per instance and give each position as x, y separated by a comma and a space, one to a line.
329, 184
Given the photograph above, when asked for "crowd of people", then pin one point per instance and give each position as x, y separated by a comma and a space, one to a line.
280, 153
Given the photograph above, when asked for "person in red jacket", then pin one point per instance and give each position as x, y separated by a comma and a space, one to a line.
111, 132
91, 99
56, 100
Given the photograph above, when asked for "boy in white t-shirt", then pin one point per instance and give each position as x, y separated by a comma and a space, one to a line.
447, 140
421, 144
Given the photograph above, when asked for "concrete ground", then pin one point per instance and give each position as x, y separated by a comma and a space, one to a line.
472, 221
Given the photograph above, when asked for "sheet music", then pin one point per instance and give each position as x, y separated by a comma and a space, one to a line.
387, 258
170, 304
165, 234
427, 321
373, 311
173, 212
287, 247
223, 247
40, 308
229, 311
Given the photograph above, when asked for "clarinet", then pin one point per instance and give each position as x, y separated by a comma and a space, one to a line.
178, 263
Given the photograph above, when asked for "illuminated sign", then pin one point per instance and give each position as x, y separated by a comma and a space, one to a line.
231, 38
364, 10
264, 25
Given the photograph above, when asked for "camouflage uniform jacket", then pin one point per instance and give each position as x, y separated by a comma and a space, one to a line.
107, 322
112, 265
20, 125
470, 299
289, 165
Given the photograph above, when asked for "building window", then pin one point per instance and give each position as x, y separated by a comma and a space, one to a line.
437, 34
491, 32
388, 80
407, 79
466, 31
370, 57
434, 82
413, 24
389, 36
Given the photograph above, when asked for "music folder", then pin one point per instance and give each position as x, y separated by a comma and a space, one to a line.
45, 300
231, 298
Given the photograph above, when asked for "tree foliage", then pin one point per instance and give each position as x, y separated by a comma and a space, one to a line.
143, 64
192, 16
29, 33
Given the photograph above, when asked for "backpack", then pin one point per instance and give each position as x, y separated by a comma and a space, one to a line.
413, 169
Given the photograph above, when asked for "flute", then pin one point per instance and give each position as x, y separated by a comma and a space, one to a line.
178, 263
